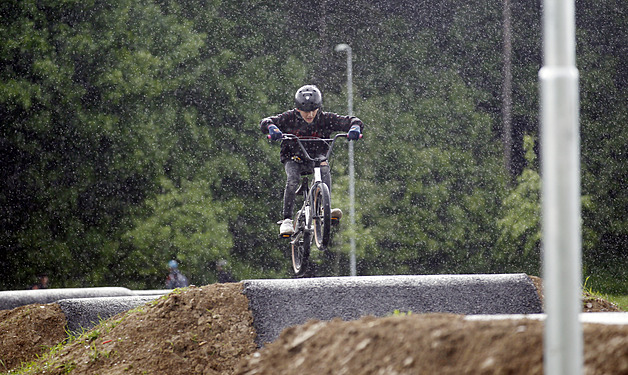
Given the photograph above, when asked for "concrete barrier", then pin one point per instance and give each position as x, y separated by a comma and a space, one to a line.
278, 304
16, 298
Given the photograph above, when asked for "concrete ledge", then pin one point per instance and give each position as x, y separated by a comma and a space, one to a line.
278, 304
610, 318
152, 292
16, 298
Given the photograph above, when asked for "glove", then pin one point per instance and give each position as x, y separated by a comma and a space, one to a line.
274, 132
354, 133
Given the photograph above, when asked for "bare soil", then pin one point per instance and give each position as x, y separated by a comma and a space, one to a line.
28, 331
209, 330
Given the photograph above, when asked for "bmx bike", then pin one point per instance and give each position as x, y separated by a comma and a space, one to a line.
313, 220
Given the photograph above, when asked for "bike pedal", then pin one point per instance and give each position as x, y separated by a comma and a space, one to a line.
335, 221
285, 235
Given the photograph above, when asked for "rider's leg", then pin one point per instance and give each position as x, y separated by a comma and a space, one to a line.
336, 213
292, 182
326, 175
293, 176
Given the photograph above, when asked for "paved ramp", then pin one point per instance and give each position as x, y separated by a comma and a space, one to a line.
83, 307
278, 304
85, 313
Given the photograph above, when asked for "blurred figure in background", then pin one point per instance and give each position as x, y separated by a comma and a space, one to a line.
175, 278
42, 283
224, 276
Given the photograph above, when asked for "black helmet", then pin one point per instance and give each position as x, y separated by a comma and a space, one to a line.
308, 98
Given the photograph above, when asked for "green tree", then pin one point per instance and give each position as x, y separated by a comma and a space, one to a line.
604, 135
434, 180
520, 224
184, 224
124, 122
86, 96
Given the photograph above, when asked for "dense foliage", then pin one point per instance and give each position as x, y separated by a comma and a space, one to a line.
130, 137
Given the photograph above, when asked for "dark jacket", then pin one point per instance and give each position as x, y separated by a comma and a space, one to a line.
324, 124
176, 280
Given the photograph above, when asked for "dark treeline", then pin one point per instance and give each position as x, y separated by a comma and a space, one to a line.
130, 136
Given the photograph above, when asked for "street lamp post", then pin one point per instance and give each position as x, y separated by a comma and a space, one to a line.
339, 48
561, 212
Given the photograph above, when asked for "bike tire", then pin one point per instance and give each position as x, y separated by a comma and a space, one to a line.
321, 215
301, 248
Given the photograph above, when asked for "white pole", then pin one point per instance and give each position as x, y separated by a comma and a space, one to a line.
352, 261
560, 152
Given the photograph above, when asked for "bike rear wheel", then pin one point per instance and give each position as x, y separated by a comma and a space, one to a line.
301, 246
321, 215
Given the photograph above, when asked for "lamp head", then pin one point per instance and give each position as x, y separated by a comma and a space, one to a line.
342, 47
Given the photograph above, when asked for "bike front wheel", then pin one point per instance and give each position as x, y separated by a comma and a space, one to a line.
321, 215
301, 248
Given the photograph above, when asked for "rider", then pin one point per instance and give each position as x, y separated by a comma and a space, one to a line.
175, 278
306, 120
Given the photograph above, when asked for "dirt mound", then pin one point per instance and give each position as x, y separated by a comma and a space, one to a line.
205, 330
428, 344
209, 330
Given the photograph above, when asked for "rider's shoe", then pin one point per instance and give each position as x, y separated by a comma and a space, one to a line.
336, 214
286, 229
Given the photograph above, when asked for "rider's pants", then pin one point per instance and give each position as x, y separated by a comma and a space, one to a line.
294, 171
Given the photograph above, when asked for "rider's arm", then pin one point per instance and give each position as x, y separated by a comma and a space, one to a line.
266, 122
283, 121
337, 122
356, 121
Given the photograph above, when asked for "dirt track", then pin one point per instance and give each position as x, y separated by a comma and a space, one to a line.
209, 330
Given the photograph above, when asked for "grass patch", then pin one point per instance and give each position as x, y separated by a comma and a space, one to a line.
398, 312
611, 282
43, 362
621, 301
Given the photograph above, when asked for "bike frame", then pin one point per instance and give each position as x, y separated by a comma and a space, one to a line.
312, 222
318, 161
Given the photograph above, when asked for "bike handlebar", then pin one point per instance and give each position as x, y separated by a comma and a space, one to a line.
326, 140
